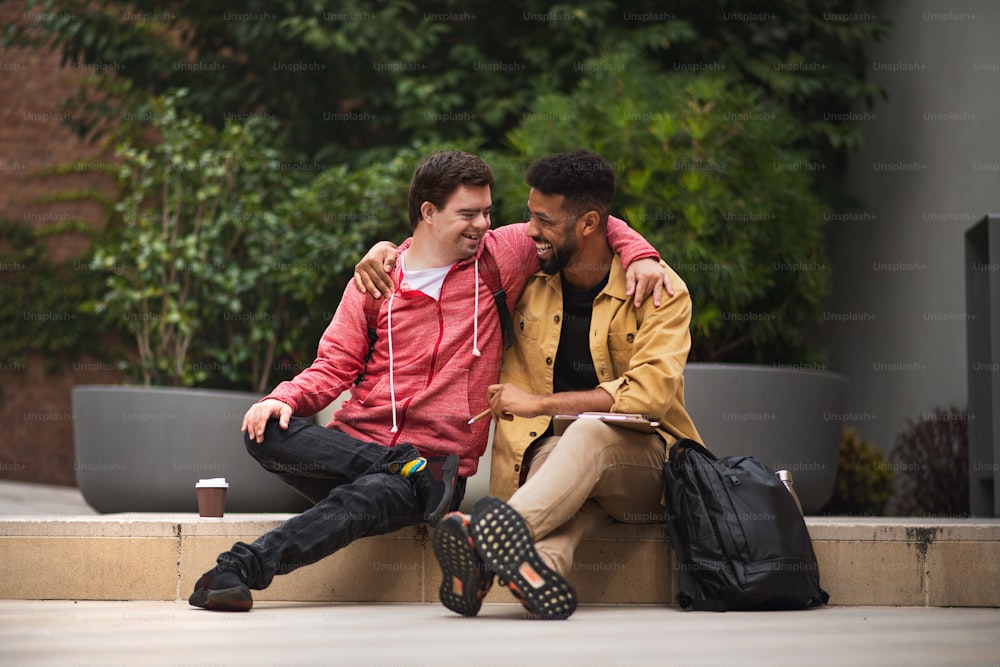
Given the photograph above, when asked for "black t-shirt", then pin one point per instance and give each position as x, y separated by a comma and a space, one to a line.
574, 367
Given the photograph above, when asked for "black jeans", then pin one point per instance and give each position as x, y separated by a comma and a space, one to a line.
347, 479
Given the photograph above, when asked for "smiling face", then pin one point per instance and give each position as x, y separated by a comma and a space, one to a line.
552, 229
458, 228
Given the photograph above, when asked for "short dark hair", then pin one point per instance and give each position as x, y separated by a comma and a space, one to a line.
584, 178
438, 176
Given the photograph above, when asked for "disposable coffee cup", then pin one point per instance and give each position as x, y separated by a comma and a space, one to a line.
212, 496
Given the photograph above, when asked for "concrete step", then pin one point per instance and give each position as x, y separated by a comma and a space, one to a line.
863, 561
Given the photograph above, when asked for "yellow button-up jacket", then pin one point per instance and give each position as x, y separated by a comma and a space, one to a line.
638, 353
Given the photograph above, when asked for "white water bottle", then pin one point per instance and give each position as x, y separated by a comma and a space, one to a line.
786, 478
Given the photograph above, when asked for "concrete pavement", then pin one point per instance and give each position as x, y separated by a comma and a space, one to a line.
282, 634
68, 632
29, 499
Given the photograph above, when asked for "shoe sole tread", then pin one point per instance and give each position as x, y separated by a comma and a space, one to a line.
459, 562
505, 545
237, 598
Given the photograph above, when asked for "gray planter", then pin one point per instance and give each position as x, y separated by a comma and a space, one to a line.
142, 449
786, 418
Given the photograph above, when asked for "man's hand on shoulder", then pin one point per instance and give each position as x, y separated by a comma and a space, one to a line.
372, 273
259, 414
644, 276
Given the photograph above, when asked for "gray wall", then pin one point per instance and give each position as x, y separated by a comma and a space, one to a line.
929, 169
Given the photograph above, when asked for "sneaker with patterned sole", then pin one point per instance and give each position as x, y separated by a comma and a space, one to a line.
504, 543
464, 579
223, 588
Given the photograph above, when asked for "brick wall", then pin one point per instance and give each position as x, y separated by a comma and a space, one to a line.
36, 439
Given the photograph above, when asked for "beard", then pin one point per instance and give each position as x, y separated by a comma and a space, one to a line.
559, 257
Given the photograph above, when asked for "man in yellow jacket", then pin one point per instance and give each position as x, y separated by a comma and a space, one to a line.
580, 345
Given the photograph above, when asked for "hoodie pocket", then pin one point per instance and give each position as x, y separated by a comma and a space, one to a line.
439, 404
405, 385
443, 404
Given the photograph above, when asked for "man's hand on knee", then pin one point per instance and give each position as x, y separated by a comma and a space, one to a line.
256, 418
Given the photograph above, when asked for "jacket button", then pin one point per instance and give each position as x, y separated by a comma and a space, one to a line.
517, 467
532, 434
521, 325
630, 337
556, 319
548, 361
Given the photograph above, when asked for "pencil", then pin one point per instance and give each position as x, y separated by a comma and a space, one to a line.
479, 416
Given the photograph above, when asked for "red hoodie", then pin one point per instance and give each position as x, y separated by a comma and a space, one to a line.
434, 382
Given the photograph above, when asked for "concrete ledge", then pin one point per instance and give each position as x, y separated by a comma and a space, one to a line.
871, 561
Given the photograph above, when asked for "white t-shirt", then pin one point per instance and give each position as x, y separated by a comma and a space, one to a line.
428, 281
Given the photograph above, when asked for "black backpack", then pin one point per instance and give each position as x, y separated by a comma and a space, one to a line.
739, 536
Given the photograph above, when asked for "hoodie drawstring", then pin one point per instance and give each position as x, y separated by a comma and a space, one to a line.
392, 385
475, 314
475, 340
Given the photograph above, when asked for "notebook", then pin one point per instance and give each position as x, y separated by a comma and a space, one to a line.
635, 422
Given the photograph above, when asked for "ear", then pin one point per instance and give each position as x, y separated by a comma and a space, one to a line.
589, 223
427, 211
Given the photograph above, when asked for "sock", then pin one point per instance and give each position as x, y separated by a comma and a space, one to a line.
410, 468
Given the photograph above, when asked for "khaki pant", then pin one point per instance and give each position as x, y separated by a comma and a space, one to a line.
593, 474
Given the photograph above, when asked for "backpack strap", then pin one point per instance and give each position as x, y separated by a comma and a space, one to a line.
371, 321
687, 594
490, 272
687, 588
687, 443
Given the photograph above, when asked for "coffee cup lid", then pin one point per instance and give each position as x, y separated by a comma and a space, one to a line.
214, 482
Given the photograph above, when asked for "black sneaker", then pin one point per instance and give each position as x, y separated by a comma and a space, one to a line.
223, 588
465, 581
504, 542
435, 486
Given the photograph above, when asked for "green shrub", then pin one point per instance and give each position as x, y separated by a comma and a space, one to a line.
225, 263
708, 171
864, 478
931, 459
39, 309
443, 69
185, 269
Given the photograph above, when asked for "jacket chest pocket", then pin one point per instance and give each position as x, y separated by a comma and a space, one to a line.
526, 329
620, 343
